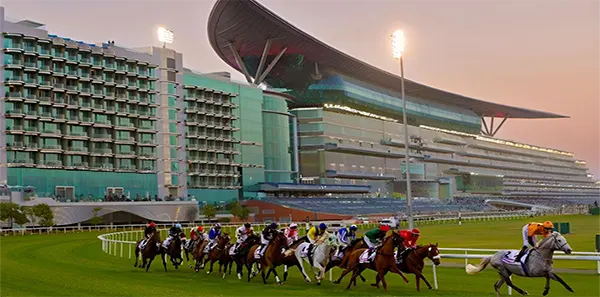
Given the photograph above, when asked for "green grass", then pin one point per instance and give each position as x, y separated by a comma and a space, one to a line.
74, 265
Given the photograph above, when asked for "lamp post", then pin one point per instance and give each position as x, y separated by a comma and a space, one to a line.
398, 42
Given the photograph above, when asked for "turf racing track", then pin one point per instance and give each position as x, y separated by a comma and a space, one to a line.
74, 265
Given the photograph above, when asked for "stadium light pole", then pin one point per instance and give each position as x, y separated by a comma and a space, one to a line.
165, 36
398, 42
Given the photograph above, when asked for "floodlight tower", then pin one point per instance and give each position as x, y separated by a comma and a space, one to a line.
165, 36
398, 43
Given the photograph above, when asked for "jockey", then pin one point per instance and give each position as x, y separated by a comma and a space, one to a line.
149, 230
242, 234
345, 235
410, 242
173, 232
291, 233
213, 234
314, 233
375, 236
266, 236
195, 233
530, 231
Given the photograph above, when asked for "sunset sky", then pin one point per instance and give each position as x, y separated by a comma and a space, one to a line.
531, 53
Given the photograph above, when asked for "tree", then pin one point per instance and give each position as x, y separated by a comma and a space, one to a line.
239, 211
13, 212
209, 211
192, 213
45, 214
30, 214
96, 219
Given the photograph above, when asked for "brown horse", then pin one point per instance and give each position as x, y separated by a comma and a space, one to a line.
271, 259
198, 253
414, 263
152, 248
241, 256
384, 261
174, 250
358, 243
219, 253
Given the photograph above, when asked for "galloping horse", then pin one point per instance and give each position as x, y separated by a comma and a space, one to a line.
174, 251
241, 256
271, 259
539, 264
321, 255
384, 261
198, 253
150, 251
358, 243
219, 253
414, 263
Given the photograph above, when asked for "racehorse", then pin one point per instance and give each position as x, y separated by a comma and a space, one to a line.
241, 256
537, 264
150, 251
271, 259
198, 253
358, 243
219, 253
382, 263
174, 251
320, 257
190, 248
414, 263
289, 257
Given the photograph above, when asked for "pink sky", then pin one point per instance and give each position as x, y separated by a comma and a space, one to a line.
535, 54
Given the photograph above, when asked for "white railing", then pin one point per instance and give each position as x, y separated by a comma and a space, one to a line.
578, 256
420, 220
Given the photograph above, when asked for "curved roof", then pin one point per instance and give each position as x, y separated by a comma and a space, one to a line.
248, 25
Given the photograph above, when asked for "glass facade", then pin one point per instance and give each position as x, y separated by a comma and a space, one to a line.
276, 131
75, 113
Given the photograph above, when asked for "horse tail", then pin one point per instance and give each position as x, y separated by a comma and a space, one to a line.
472, 269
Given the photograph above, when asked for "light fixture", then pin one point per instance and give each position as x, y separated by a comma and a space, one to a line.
165, 35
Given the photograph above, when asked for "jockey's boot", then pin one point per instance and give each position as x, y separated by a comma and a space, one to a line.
521, 253
237, 248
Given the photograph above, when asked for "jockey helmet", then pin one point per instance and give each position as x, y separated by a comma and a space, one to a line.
384, 228
178, 226
218, 226
152, 225
293, 225
200, 229
247, 225
353, 228
273, 225
548, 225
416, 232
322, 226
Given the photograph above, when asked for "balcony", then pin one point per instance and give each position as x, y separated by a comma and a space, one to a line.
15, 112
102, 137
30, 64
79, 149
102, 151
126, 167
102, 166
31, 129
146, 142
52, 147
86, 90
51, 163
59, 85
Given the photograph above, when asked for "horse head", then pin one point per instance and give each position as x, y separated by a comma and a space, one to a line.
223, 240
331, 240
433, 253
556, 242
281, 240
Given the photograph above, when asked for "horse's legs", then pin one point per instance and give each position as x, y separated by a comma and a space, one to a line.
396, 270
164, 260
262, 273
498, 285
355, 273
149, 263
425, 280
301, 267
506, 275
273, 268
137, 255
351, 267
212, 263
144, 261
321, 272
249, 267
382, 277
555, 277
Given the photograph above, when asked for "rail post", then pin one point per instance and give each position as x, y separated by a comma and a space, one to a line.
435, 282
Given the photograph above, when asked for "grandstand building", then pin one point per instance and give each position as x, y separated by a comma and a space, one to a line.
85, 121
349, 121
